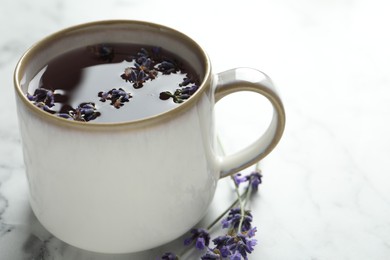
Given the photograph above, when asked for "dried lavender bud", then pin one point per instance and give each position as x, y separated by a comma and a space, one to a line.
102, 52
186, 81
201, 238
42, 95
165, 95
167, 67
127, 74
116, 96
44, 107
180, 95
189, 90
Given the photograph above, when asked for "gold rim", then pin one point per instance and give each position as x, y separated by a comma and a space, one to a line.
35, 49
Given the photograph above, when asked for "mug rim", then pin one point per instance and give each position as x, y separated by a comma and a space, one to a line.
142, 122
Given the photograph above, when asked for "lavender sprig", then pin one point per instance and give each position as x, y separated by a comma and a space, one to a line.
239, 241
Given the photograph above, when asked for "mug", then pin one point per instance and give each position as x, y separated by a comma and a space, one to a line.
129, 186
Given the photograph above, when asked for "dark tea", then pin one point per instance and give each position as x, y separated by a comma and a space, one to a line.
113, 83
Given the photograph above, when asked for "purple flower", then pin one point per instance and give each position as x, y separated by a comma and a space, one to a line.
234, 217
187, 80
236, 256
242, 246
44, 107
238, 178
252, 232
117, 96
104, 95
43, 98
221, 243
127, 74
169, 256
189, 90
167, 67
201, 238
142, 55
255, 180
180, 94
138, 78
84, 112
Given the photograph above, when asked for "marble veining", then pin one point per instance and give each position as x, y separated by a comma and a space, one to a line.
325, 193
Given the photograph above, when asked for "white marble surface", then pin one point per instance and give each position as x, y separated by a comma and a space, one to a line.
326, 190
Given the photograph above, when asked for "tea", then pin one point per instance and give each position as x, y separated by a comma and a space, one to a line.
113, 83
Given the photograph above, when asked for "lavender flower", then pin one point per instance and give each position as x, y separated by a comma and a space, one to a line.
186, 81
180, 94
254, 179
127, 74
142, 55
234, 217
236, 256
201, 238
238, 178
242, 246
44, 107
43, 98
221, 244
189, 90
234, 246
117, 96
167, 67
251, 232
84, 112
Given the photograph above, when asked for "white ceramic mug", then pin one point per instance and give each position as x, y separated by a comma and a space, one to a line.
130, 186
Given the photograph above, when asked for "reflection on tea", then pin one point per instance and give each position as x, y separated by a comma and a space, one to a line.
113, 83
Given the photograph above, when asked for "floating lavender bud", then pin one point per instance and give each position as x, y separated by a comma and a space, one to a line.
186, 81
165, 95
84, 112
138, 78
117, 97
42, 95
65, 115
127, 74
103, 52
190, 90
167, 67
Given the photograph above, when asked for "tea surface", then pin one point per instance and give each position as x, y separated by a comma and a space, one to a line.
112, 83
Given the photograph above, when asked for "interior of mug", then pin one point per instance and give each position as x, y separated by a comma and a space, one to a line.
114, 31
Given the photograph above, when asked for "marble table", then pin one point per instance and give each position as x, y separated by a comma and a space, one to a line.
326, 187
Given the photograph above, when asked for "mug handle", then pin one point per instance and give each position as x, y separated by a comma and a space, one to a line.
248, 79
